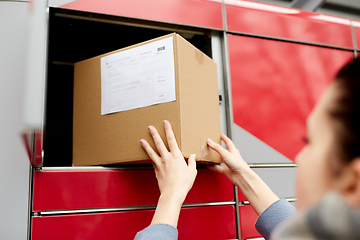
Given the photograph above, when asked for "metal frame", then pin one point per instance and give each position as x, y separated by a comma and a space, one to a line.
30, 202
121, 209
272, 165
290, 199
149, 167
308, 5
217, 56
354, 39
228, 102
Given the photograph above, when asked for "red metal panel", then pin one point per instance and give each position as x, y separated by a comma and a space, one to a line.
195, 223
356, 25
248, 218
207, 223
206, 13
275, 86
55, 190
277, 21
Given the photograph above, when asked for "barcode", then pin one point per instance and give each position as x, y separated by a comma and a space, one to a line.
161, 48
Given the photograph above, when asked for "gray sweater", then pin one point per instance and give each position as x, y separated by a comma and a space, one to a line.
158, 231
269, 219
265, 224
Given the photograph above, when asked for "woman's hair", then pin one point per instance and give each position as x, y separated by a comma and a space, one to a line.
346, 111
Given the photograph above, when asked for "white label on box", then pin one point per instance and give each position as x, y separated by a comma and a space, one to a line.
138, 77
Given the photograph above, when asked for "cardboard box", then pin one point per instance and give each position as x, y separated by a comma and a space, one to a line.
115, 138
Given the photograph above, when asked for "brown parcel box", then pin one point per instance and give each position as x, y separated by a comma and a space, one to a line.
115, 138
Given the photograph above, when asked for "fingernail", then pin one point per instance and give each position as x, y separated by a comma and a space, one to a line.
141, 140
166, 122
193, 155
210, 141
150, 127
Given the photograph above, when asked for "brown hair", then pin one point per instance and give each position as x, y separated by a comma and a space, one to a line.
346, 111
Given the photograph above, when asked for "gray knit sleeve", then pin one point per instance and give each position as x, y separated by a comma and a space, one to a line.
158, 232
269, 219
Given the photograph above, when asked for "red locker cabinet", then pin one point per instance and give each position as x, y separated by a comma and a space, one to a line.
282, 22
82, 189
110, 204
248, 217
275, 86
215, 222
175, 11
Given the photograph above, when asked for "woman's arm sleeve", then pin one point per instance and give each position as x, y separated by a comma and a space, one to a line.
158, 232
276, 213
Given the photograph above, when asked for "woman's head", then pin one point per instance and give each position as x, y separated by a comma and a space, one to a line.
331, 159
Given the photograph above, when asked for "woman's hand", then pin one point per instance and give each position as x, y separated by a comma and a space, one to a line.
175, 177
255, 190
235, 165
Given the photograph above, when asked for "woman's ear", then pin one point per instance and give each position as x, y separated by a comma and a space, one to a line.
349, 183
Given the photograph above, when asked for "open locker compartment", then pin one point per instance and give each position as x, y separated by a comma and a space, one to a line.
75, 36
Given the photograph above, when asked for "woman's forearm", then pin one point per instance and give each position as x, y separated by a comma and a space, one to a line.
167, 211
255, 190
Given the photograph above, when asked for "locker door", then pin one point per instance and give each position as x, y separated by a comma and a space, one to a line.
14, 171
35, 80
189, 12
207, 223
287, 23
248, 218
274, 87
70, 189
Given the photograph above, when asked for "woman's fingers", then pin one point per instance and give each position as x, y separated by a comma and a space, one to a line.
173, 146
192, 161
230, 145
152, 154
218, 148
160, 146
